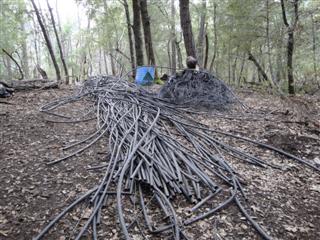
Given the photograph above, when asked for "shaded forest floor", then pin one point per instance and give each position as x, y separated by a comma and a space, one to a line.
285, 202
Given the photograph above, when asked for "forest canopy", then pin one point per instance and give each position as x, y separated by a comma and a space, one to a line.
240, 41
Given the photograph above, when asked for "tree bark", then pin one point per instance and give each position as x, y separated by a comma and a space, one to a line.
59, 44
169, 53
314, 44
206, 51
30, 84
137, 32
290, 43
129, 29
241, 69
173, 39
47, 39
180, 64
109, 44
42, 72
186, 27
105, 62
7, 62
35, 35
147, 32
215, 43
259, 68
268, 41
25, 58
19, 67
201, 36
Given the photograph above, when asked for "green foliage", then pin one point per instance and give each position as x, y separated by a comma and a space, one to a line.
240, 27
159, 81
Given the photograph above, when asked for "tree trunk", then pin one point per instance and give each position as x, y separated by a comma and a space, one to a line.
186, 27
105, 62
8, 67
279, 58
234, 67
201, 35
59, 44
113, 66
137, 32
35, 35
215, 50
47, 39
173, 39
290, 48
147, 32
30, 84
169, 53
42, 72
268, 41
109, 44
314, 44
259, 68
25, 59
290, 43
241, 69
206, 53
180, 64
12, 58
129, 29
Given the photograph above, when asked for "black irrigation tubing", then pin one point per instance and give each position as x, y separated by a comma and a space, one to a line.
156, 152
280, 151
64, 212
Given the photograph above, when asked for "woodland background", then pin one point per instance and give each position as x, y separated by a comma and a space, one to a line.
243, 42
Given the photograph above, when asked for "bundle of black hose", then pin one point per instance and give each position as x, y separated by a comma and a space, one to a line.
197, 89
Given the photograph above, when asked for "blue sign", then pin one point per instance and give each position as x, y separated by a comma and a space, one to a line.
145, 75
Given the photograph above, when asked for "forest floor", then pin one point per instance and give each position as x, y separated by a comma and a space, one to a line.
285, 202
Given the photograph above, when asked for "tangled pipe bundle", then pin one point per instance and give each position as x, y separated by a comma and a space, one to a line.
156, 154
197, 88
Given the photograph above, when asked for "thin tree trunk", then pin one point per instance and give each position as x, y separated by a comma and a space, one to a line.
290, 43
215, 50
35, 33
241, 69
147, 32
234, 67
180, 64
19, 67
113, 67
62, 35
314, 44
8, 66
259, 68
48, 42
201, 35
25, 58
268, 41
129, 29
59, 44
109, 45
279, 57
42, 72
105, 62
169, 53
186, 27
137, 32
206, 51
173, 39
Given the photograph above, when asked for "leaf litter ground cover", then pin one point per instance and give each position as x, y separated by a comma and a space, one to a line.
283, 202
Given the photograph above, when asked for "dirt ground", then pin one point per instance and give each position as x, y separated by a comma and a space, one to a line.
285, 202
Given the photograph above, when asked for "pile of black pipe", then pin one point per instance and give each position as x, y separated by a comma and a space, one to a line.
156, 153
197, 89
